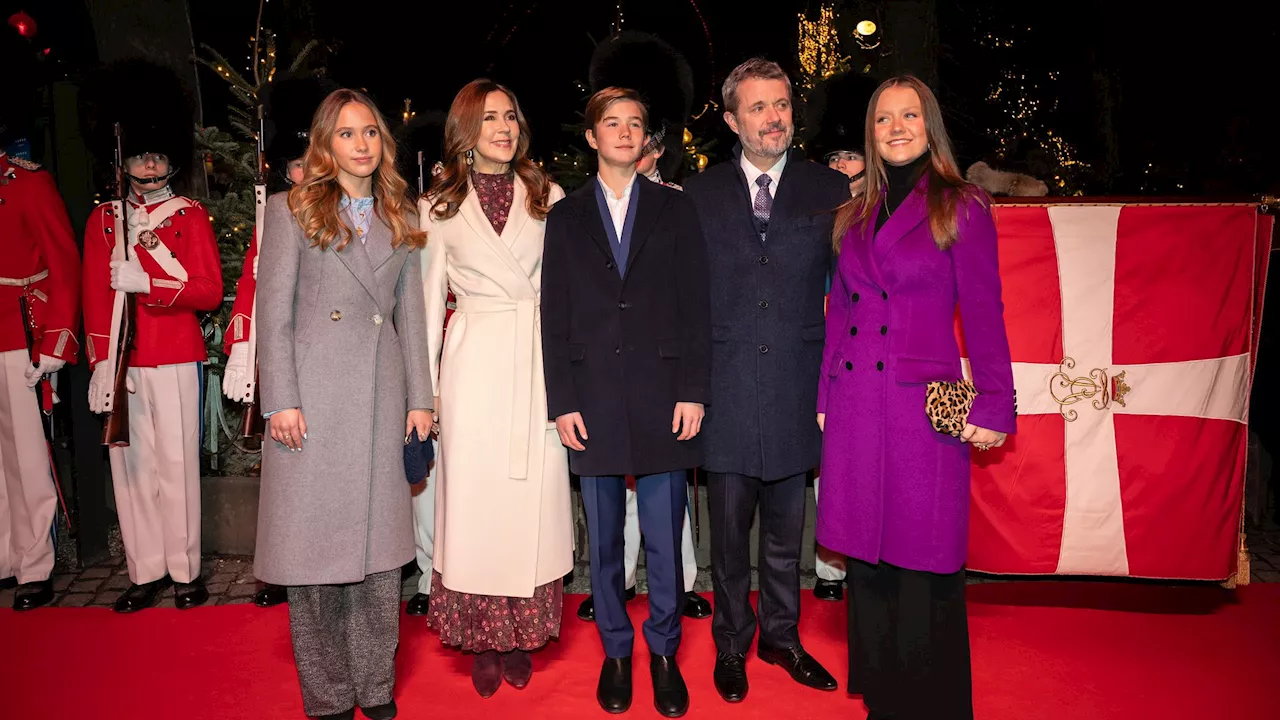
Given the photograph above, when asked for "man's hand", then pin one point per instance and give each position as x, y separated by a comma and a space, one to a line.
689, 415
566, 425
100, 386
128, 276
255, 267
48, 365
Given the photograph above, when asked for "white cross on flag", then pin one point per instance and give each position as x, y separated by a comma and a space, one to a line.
1133, 330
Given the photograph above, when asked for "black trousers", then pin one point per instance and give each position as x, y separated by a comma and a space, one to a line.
732, 501
909, 643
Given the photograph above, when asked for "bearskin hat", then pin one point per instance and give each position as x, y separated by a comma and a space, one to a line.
423, 133
836, 112
18, 82
289, 102
652, 67
155, 112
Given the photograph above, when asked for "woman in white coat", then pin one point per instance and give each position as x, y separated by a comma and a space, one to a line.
504, 532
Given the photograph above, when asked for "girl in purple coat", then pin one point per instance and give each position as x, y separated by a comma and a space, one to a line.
915, 245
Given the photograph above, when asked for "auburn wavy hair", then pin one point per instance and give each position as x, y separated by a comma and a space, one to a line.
315, 201
462, 133
946, 187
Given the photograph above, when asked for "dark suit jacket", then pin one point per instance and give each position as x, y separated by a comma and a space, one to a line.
623, 350
767, 300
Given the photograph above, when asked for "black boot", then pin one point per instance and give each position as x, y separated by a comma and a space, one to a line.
8, 583
419, 604
271, 595
189, 595
587, 610
670, 695
33, 595
614, 689
141, 597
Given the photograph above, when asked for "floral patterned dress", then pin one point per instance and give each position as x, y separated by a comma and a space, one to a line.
476, 623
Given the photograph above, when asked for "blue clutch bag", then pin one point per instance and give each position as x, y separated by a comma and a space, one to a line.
418, 456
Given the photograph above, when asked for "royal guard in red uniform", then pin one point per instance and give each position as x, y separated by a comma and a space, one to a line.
173, 270
288, 106
39, 319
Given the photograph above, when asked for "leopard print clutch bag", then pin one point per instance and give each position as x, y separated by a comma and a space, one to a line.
947, 404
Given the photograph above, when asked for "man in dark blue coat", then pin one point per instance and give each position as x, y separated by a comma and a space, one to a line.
767, 217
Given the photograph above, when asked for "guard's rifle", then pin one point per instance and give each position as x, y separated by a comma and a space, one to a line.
253, 426
124, 315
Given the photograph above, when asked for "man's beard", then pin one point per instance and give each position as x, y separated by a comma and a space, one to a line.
770, 148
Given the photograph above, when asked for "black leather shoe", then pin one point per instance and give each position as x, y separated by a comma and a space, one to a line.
631, 593
696, 606
380, 712
271, 595
731, 676
419, 604
141, 597
670, 696
33, 595
802, 667
189, 595
829, 590
8, 583
614, 690
348, 715
587, 610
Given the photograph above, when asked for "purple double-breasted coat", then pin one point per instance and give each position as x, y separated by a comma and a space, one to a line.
893, 488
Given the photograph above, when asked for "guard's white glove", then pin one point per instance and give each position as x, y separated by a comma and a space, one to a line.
237, 372
100, 387
128, 276
255, 267
48, 365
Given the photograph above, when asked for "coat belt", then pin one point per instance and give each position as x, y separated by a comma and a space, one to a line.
23, 282
528, 314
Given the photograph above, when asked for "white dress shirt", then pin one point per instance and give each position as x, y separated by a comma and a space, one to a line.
752, 172
618, 205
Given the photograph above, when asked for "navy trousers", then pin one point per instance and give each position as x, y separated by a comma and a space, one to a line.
660, 499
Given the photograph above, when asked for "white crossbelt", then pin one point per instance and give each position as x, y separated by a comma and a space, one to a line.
23, 282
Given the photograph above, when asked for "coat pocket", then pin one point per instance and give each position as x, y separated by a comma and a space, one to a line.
668, 348
577, 352
814, 333
913, 371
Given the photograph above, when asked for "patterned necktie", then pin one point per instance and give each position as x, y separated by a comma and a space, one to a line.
763, 204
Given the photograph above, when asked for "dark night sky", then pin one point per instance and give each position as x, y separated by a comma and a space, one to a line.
1194, 100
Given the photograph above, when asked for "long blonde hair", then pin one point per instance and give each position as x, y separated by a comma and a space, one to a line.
315, 201
946, 187
462, 133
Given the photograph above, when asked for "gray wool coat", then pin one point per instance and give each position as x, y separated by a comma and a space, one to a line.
341, 335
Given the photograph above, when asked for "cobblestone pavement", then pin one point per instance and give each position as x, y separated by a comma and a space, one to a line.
230, 579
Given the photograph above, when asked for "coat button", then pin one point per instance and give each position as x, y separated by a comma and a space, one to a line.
884, 329
336, 315
848, 365
854, 297
377, 319
764, 349
617, 351
884, 295
622, 306
880, 365
764, 304
608, 265
853, 330
764, 259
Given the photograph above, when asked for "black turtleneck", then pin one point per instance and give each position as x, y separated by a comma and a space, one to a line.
902, 180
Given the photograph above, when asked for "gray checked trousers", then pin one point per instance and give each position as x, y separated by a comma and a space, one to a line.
344, 642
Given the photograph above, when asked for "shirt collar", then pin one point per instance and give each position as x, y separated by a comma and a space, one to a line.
608, 192
752, 172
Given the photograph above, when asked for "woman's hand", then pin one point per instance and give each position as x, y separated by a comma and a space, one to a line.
435, 415
822, 422
419, 420
288, 428
982, 438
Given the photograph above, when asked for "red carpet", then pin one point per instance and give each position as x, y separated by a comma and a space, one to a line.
1041, 650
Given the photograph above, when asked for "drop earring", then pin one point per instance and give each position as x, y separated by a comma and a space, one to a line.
471, 157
